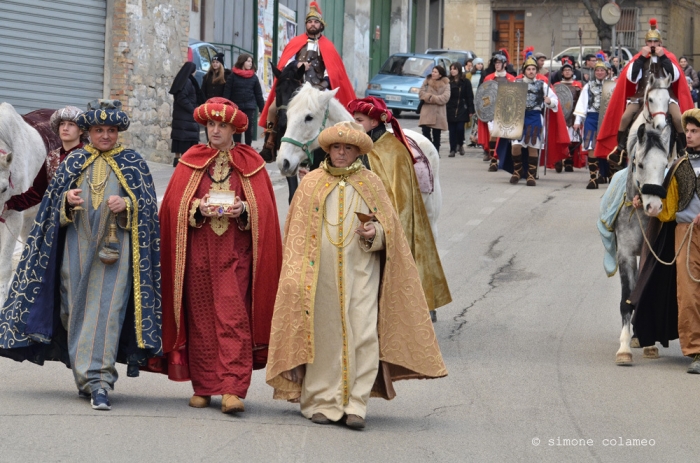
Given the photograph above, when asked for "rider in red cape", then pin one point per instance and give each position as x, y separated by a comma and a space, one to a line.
262, 222
334, 66
607, 137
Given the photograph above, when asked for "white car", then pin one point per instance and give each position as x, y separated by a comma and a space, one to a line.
627, 54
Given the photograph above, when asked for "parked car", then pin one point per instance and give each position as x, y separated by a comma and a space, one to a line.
453, 55
400, 78
201, 53
627, 54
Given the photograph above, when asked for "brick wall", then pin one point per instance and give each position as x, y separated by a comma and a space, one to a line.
148, 40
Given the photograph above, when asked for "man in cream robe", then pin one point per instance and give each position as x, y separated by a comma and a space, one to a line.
344, 325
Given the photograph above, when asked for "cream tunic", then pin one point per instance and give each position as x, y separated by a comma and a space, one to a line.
340, 379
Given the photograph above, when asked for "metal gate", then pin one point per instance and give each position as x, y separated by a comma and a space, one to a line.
52, 52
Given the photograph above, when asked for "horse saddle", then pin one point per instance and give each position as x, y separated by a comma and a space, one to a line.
424, 173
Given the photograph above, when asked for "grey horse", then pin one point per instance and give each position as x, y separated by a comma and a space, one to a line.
649, 156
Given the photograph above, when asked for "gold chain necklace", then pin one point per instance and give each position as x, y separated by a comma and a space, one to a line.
343, 242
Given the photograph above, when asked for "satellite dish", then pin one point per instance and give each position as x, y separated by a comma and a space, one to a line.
610, 13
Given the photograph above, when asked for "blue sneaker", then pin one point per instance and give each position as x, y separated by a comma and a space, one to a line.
99, 400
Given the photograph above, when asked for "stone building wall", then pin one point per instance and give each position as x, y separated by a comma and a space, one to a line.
146, 47
469, 23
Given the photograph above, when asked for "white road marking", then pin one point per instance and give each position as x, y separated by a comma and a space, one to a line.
500, 200
487, 210
474, 222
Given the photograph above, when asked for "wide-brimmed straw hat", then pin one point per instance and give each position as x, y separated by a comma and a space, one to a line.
348, 133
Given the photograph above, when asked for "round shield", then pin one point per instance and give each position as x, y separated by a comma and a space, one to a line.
608, 89
485, 100
566, 99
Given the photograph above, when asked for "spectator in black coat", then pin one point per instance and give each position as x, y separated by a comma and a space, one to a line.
460, 108
556, 78
243, 88
214, 80
186, 97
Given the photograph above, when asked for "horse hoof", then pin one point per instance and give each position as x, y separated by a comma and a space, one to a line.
634, 343
651, 352
623, 358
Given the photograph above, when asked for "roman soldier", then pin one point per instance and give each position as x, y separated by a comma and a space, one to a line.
539, 97
574, 86
588, 110
498, 63
323, 66
653, 59
539, 62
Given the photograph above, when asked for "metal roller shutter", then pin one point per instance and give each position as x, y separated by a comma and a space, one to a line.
51, 52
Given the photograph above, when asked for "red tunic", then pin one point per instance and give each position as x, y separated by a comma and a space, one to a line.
337, 74
217, 297
218, 291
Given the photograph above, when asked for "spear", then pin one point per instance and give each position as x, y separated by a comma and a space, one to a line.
517, 56
580, 50
548, 111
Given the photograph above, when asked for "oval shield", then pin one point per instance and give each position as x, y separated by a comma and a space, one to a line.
566, 99
485, 100
608, 89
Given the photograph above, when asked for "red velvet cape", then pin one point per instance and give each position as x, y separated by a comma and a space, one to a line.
483, 135
267, 247
607, 137
334, 66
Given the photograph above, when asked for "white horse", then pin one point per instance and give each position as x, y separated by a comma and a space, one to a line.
311, 110
22, 153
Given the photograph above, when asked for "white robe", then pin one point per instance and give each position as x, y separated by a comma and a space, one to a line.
340, 379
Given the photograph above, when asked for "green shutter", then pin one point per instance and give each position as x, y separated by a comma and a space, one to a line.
334, 16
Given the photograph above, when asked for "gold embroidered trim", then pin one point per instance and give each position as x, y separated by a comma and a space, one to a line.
341, 288
255, 235
99, 182
65, 219
193, 211
308, 291
181, 245
127, 201
135, 250
221, 182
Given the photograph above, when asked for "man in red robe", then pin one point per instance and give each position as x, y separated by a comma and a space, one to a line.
221, 261
323, 65
626, 100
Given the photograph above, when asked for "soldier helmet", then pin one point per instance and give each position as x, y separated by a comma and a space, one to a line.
529, 61
315, 13
653, 32
600, 63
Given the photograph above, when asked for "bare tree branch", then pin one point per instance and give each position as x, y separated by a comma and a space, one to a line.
604, 31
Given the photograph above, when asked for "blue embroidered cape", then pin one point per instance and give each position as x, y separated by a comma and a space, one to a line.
30, 326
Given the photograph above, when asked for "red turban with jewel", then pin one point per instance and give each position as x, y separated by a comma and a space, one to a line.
221, 110
376, 109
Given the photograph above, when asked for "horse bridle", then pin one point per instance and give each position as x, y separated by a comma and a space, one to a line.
652, 115
305, 146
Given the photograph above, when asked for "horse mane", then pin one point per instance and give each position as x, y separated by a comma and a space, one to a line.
304, 98
653, 140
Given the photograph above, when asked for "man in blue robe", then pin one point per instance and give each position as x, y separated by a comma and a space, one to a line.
87, 289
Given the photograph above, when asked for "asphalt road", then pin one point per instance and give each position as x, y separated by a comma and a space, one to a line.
529, 342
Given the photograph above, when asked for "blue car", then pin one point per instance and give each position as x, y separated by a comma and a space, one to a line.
401, 77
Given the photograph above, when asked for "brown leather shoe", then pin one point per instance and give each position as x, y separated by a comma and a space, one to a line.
355, 422
200, 401
320, 418
231, 404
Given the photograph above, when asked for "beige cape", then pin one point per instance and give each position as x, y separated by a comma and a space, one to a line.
408, 347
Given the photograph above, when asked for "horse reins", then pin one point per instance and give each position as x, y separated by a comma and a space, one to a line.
305, 146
